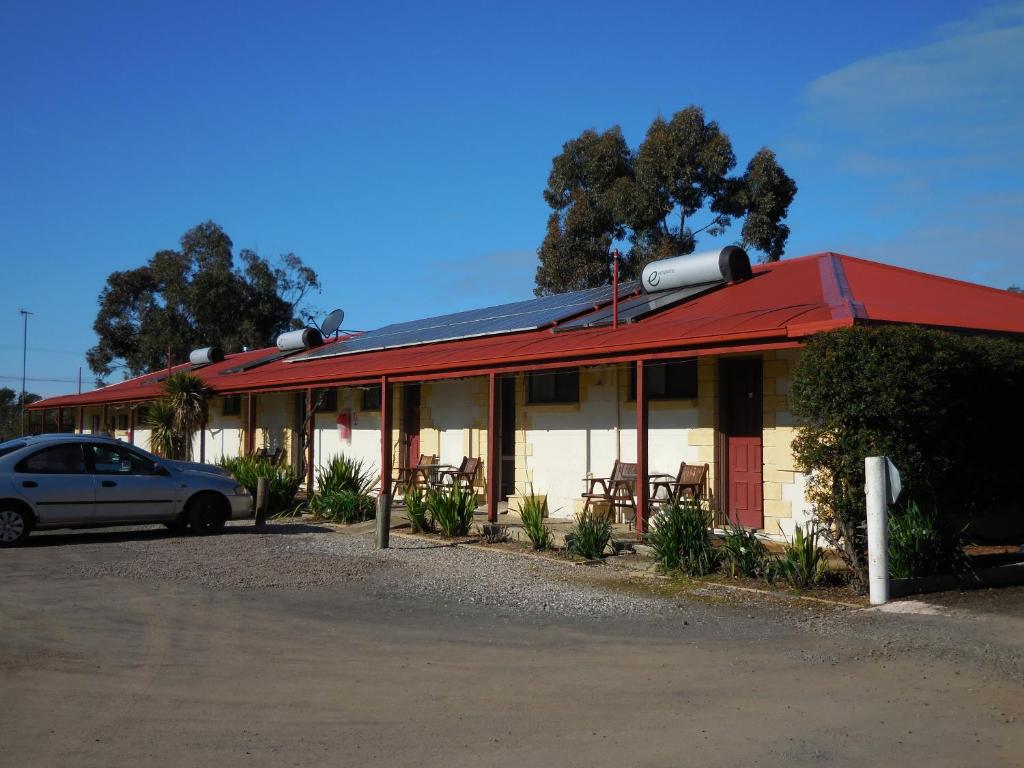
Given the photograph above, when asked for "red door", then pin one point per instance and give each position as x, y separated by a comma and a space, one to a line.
743, 428
411, 424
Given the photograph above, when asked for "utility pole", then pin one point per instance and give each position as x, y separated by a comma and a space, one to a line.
24, 360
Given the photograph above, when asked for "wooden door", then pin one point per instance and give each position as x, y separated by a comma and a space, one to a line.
743, 429
411, 424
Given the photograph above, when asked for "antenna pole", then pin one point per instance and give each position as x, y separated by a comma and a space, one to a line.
24, 360
615, 288
79, 379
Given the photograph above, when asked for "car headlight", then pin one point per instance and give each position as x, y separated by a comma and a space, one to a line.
241, 490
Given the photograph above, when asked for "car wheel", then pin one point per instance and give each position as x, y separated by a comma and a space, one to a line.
177, 525
206, 515
14, 527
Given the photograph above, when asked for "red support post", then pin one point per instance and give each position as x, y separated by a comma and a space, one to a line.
103, 423
310, 434
81, 419
202, 440
641, 448
131, 423
385, 437
250, 424
492, 448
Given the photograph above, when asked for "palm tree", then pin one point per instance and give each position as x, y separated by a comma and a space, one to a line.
186, 394
164, 439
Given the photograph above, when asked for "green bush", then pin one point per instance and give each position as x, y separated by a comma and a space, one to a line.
452, 510
418, 511
743, 553
920, 545
342, 473
283, 486
343, 506
930, 400
803, 563
531, 511
681, 537
590, 535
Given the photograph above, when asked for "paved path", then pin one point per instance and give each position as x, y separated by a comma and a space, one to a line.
110, 654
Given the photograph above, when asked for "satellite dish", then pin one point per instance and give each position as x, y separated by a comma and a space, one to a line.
332, 322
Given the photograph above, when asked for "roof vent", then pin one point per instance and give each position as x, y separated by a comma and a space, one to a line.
205, 356
304, 338
730, 264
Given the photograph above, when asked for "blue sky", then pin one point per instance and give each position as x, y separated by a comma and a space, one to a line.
401, 149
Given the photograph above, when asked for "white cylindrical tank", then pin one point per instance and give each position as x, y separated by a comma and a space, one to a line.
205, 356
304, 338
730, 264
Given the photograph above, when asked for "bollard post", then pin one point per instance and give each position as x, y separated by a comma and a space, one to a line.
383, 530
876, 488
262, 494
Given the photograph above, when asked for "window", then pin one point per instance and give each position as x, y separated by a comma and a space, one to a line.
63, 459
95, 424
232, 405
115, 460
326, 400
122, 422
141, 413
676, 380
370, 400
553, 386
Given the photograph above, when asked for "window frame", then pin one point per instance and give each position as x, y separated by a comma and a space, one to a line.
90, 461
235, 409
372, 407
665, 394
565, 387
326, 400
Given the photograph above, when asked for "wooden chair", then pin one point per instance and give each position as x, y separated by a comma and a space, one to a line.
691, 480
417, 476
464, 477
616, 490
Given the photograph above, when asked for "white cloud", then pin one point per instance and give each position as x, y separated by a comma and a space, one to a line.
927, 147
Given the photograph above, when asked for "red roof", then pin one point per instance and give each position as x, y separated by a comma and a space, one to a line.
781, 304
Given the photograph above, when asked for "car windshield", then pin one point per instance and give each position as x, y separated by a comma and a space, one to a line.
11, 445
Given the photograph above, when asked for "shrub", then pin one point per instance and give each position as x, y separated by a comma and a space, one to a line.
927, 399
283, 486
920, 545
342, 473
531, 510
342, 506
681, 537
418, 511
452, 510
591, 534
803, 563
744, 553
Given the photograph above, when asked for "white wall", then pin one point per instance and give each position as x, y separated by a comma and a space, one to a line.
454, 411
365, 437
565, 442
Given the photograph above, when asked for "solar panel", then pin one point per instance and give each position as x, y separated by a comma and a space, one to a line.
254, 363
505, 318
639, 307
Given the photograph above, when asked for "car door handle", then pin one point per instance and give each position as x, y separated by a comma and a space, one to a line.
29, 484
109, 484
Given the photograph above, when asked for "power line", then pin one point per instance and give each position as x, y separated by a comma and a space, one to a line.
32, 378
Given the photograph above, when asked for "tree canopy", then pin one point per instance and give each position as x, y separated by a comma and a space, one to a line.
196, 296
10, 412
676, 186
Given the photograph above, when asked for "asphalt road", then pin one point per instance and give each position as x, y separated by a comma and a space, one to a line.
105, 663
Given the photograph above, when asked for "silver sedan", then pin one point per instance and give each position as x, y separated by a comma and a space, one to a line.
80, 481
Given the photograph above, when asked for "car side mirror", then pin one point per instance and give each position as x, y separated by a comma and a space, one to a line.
160, 469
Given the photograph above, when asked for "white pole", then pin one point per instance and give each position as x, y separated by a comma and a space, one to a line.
876, 478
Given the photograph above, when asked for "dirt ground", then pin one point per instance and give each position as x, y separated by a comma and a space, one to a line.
110, 657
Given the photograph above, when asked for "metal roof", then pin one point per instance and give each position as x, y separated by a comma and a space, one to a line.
781, 304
